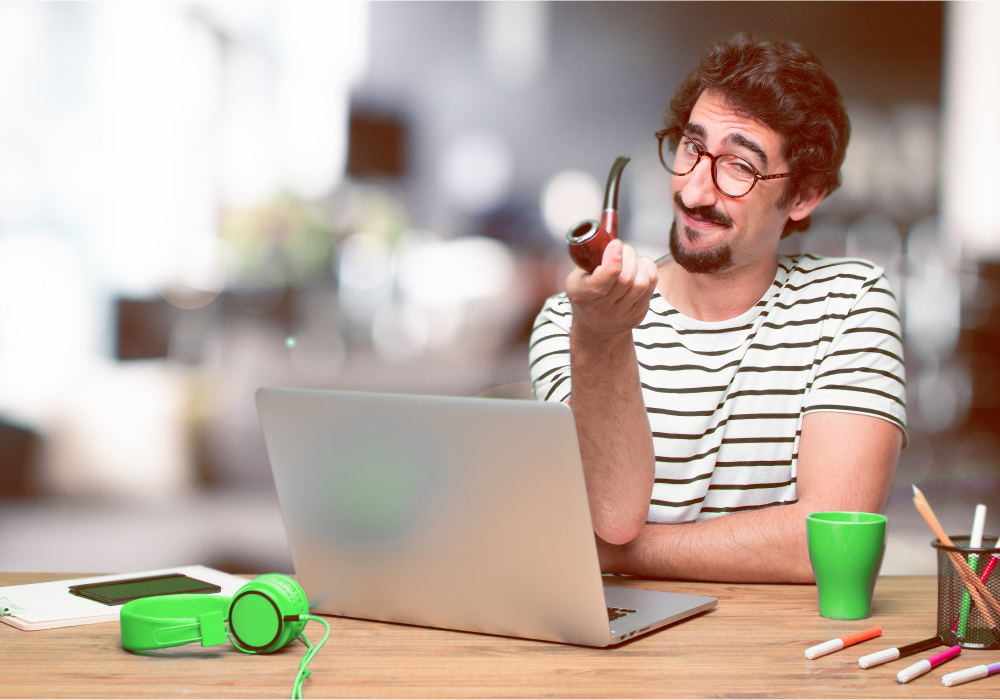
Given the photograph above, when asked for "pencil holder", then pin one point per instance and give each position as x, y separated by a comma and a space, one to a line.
959, 620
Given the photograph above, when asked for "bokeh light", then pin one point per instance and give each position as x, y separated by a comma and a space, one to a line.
971, 104
515, 40
568, 198
443, 273
476, 171
365, 275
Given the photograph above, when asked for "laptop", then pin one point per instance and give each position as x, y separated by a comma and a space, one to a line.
457, 513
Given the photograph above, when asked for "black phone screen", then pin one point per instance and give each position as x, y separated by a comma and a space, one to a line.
122, 591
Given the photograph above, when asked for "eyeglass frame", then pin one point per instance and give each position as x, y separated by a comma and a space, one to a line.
702, 151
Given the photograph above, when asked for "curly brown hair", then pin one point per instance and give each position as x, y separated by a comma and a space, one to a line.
785, 87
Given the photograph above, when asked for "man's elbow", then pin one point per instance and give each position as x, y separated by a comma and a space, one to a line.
619, 533
619, 522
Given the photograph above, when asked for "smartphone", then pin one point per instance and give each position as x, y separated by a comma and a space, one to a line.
122, 591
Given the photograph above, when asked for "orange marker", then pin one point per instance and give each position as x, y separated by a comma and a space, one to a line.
842, 643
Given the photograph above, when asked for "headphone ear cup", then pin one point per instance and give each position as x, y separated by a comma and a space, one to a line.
290, 589
257, 612
160, 622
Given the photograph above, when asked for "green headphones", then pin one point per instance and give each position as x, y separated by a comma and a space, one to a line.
265, 615
262, 617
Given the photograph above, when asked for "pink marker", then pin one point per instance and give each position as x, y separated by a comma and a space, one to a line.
921, 667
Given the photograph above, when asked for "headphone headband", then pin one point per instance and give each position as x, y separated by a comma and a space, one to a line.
168, 621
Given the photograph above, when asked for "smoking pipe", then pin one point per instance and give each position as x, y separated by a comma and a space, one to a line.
588, 239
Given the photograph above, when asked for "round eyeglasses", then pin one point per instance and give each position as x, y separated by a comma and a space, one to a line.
733, 176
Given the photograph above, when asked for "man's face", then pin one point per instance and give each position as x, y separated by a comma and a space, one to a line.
713, 232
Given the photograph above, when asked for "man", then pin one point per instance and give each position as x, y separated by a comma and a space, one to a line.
732, 382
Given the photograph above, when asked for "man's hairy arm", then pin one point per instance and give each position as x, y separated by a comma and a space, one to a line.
616, 444
846, 462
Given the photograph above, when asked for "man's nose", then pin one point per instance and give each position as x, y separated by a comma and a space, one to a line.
699, 190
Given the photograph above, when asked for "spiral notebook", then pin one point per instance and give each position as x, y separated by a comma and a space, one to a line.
41, 606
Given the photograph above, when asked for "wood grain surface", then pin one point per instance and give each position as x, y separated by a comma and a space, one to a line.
751, 646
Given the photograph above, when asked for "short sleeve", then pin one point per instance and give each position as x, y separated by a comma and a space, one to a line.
862, 371
548, 351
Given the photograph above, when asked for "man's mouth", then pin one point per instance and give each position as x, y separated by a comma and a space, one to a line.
702, 227
703, 217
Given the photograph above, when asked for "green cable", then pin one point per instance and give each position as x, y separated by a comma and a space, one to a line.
312, 651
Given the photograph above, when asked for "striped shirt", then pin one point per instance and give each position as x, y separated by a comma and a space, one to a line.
725, 400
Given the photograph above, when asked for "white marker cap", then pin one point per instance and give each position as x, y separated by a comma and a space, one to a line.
911, 672
965, 675
978, 524
879, 657
824, 648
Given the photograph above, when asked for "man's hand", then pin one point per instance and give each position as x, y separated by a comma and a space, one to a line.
614, 298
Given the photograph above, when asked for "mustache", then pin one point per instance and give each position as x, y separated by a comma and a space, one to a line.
709, 214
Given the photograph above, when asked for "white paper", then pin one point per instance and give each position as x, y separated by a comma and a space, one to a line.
52, 602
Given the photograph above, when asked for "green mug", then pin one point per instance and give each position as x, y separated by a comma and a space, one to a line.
846, 551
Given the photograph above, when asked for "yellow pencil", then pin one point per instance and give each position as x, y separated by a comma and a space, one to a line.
924, 508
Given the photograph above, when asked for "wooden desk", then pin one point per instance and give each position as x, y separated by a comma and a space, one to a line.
750, 646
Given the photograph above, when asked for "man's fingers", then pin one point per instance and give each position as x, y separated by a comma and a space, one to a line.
627, 275
613, 252
643, 287
574, 280
604, 276
643, 276
652, 278
596, 284
653, 274
645, 284
620, 287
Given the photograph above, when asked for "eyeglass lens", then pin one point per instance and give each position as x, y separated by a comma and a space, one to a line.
733, 175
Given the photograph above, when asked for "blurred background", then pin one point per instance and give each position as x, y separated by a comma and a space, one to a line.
201, 198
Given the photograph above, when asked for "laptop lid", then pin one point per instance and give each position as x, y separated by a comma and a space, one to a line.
459, 513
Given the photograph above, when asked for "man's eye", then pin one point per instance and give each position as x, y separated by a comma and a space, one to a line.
691, 147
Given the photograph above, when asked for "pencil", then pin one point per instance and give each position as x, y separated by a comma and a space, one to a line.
924, 508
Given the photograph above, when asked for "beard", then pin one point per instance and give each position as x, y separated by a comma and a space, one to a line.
702, 262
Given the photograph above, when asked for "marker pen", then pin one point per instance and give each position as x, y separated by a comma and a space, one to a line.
842, 643
970, 674
921, 667
983, 577
887, 655
975, 542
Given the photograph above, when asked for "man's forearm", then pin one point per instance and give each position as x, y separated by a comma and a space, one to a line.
759, 546
615, 440
769, 544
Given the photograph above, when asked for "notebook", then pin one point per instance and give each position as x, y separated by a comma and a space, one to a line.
40, 606
459, 513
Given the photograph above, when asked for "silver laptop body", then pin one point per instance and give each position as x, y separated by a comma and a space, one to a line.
459, 513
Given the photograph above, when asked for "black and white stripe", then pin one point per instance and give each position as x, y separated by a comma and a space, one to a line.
725, 400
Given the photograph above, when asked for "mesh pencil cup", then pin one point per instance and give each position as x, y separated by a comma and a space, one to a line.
950, 589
